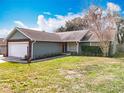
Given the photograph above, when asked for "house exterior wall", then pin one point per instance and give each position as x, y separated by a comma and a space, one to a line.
18, 35
3, 49
45, 49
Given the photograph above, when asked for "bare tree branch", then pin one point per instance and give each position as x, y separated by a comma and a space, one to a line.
102, 26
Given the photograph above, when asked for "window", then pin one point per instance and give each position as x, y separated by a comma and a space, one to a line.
71, 47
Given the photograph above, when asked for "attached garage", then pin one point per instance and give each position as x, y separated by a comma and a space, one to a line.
18, 49
30, 44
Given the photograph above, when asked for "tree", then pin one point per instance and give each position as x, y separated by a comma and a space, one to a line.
74, 25
61, 29
103, 25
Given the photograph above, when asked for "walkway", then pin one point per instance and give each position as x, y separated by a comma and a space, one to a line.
2, 59
17, 60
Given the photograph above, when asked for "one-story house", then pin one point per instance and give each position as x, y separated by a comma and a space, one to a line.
26, 43
2, 46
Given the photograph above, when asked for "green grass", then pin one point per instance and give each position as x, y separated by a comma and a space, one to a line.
72, 74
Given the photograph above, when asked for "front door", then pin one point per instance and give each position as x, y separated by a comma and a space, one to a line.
64, 46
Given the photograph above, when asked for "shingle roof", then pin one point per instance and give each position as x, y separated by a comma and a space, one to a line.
39, 35
106, 35
70, 36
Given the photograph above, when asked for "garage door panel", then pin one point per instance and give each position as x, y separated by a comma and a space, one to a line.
17, 49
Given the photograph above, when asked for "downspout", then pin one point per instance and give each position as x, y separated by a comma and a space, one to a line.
32, 49
6, 55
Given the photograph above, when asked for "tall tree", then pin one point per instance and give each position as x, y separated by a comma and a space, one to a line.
61, 29
103, 25
74, 25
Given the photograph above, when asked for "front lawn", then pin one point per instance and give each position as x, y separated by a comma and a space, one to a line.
73, 74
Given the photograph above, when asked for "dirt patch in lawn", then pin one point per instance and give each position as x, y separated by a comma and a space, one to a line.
103, 79
5, 89
71, 74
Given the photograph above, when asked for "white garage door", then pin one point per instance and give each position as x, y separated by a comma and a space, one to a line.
17, 49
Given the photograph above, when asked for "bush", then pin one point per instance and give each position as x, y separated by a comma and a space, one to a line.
91, 50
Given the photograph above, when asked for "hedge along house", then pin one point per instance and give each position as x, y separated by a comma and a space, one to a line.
26, 43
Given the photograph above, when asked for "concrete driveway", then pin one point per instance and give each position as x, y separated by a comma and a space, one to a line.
2, 59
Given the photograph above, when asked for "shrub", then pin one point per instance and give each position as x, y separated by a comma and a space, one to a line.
91, 50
